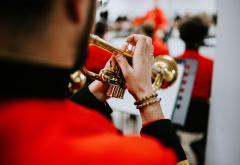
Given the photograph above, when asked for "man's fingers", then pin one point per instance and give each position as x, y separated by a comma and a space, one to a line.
123, 64
124, 46
150, 48
134, 38
143, 44
150, 51
111, 63
141, 47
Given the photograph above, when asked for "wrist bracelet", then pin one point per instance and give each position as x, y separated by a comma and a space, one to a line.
148, 102
141, 101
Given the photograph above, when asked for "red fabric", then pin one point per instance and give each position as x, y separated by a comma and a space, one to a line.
156, 15
51, 132
203, 80
160, 48
97, 58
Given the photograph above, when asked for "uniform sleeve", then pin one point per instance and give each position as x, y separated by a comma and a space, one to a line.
163, 131
85, 98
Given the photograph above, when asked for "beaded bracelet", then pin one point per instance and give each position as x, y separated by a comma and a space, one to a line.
149, 102
154, 95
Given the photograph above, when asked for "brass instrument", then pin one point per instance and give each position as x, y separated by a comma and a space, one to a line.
99, 42
164, 70
78, 81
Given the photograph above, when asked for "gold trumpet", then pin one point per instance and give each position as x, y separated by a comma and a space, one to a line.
164, 70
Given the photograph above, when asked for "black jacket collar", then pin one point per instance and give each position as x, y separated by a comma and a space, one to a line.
23, 80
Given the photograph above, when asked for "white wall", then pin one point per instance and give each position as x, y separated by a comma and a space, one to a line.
135, 8
224, 131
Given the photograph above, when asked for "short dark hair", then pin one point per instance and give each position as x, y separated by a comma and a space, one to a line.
101, 28
23, 14
193, 31
148, 29
121, 19
215, 19
104, 15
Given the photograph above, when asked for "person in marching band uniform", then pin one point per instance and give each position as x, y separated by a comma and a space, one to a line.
42, 41
193, 30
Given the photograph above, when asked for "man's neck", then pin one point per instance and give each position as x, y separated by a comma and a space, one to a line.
43, 48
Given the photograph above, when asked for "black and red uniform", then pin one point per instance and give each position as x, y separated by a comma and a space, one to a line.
97, 58
40, 126
199, 105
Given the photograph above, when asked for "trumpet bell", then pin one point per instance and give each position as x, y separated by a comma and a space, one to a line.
164, 72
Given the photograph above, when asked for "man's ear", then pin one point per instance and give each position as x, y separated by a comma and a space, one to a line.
73, 10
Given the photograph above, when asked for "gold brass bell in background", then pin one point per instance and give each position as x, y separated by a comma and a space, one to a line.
164, 72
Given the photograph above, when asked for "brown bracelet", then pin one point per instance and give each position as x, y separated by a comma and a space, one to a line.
141, 101
149, 102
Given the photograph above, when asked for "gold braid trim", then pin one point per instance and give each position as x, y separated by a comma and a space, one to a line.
184, 162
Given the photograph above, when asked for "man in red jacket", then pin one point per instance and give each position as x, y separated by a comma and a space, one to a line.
39, 46
193, 32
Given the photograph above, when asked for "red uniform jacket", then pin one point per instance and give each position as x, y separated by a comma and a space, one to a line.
156, 15
160, 48
97, 59
42, 132
203, 80
39, 126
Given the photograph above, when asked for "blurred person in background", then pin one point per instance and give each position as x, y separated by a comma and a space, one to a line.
101, 29
123, 26
193, 30
104, 17
154, 24
156, 16
173, 29
160, 48
42, 42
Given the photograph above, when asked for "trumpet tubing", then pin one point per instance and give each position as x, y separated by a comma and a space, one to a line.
99, 42
164, 70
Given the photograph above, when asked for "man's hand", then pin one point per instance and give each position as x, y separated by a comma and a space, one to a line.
138, 76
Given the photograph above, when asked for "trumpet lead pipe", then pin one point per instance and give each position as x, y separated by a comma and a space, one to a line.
99, 42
